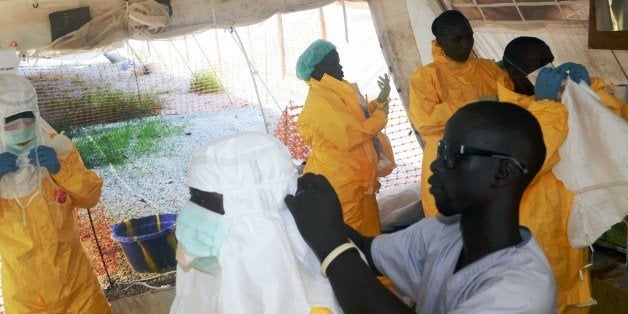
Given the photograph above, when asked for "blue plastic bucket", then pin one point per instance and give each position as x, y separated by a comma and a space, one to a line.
149, 242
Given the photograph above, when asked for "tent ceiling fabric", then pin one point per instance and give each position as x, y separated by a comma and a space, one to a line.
522, 10
20, 20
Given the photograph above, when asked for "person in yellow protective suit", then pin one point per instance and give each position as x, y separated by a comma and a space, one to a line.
344, 132
42, 180
534, 84
439, 89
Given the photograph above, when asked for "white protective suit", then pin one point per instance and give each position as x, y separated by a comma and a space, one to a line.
264, 264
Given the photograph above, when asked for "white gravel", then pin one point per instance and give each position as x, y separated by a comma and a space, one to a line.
157, 182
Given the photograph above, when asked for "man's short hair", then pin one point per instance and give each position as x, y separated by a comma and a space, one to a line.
513, 124
518, 46
445, 19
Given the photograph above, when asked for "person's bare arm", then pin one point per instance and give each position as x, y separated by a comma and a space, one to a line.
318, 215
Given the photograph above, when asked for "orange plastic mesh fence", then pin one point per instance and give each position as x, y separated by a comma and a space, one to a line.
95, 232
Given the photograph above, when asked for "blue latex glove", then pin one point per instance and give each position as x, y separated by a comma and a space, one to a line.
577, 72
8, 163
548, 84
46, 156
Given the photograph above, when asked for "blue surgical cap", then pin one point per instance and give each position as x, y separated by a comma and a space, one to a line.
312, 56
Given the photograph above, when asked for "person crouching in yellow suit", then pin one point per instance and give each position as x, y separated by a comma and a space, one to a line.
344, 132
42, 180
533, 83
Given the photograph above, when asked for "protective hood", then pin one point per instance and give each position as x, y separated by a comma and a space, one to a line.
18, 95
264, 264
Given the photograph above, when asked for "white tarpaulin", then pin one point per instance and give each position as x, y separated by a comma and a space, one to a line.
9, 60
594, 165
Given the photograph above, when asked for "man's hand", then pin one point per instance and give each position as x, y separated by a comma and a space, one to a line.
318, 214
8, 163
45, 156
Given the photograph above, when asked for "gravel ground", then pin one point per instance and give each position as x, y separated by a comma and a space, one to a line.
157, 183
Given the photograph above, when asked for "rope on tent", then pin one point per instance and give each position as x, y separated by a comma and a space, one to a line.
181, 56
236, 37
160, 58
241, 46
619, 63
212, 68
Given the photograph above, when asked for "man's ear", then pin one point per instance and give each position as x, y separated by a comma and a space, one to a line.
317, 73
504, 174
439, 40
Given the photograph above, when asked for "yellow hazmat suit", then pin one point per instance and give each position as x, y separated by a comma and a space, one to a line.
333, 124
547, 203
437, 91
44, 266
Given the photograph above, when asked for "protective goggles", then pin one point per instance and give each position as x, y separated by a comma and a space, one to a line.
534, 73
450, 152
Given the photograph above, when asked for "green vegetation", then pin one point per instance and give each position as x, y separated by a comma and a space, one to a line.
205, 82
116, 144
69, 101
104, 105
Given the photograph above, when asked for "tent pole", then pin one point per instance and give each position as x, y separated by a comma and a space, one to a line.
181, 56
211, 67
282, 48
160, 58
236, 37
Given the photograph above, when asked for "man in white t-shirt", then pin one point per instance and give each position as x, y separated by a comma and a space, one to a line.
474, 257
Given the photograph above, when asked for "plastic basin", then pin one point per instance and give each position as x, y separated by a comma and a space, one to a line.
148, 243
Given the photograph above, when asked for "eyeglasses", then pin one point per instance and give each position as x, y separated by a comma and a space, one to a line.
449, 152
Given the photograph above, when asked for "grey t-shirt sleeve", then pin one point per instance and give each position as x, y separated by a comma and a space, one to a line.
401, 255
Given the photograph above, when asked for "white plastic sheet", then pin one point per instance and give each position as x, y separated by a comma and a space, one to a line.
594, 165
399, 207
9, 60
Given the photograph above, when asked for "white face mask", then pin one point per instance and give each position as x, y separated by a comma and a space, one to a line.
534, 74
201, 233
21, 140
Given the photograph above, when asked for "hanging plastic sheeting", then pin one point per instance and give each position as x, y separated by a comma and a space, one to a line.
594, 165
138, 20
399, 207
9, 60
